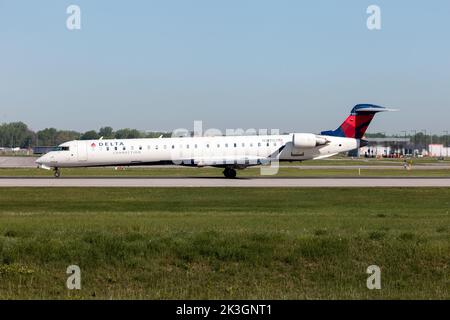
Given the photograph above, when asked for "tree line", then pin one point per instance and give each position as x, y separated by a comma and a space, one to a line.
17, 134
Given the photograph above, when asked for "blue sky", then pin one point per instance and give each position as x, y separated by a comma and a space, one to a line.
293, 65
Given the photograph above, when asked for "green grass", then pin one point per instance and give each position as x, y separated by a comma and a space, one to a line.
217, 172
231, 243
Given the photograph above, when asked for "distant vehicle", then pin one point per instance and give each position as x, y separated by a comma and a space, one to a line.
10, 149
43, 149
227, 152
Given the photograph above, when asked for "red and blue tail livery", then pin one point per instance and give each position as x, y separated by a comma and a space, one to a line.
357, 122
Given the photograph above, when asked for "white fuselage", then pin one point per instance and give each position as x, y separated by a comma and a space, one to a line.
219, 151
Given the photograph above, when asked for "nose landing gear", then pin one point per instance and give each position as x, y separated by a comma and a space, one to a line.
57, 172
229, 173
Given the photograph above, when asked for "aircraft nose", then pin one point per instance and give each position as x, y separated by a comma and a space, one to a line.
42, 160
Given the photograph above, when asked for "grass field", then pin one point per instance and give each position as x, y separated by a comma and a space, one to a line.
232, 243
217, 172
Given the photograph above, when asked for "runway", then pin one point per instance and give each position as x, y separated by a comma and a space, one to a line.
222, 182
29, 162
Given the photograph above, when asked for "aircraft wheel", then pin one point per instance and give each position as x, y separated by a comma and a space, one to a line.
229, 173
57, 173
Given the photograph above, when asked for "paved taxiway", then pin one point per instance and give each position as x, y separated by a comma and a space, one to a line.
222, 182
29, 162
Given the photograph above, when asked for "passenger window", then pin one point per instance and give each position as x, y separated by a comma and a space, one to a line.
173, 146
156, 147
226, 145
124, 148
195, 146
235, 145
187, 146
140, 147
218, 145
243, 145
107, 148
267, 144
207, 145
115, 148
165, 147
259, 144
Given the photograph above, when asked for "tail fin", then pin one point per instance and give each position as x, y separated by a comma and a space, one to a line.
357, 122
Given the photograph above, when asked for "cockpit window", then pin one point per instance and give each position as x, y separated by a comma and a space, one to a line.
62, 148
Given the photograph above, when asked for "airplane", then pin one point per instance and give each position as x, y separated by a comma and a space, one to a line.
227, 152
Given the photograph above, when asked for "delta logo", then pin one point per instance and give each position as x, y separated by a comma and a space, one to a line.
110, 144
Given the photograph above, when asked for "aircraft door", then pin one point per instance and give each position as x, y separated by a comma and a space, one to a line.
82, 151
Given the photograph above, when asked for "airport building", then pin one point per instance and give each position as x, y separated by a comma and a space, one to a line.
385, 147
399, 147
438, 150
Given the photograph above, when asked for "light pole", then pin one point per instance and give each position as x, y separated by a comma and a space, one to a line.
425, 138
415, 141
446, 142
404, 145
385, 143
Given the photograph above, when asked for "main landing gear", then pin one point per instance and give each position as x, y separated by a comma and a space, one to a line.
229, 173
57, 172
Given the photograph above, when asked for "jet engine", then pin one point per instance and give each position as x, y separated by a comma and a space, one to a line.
307, 140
